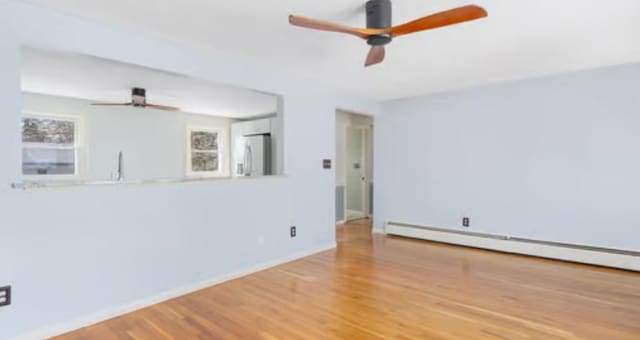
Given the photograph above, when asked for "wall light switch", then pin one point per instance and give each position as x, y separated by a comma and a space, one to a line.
5, 296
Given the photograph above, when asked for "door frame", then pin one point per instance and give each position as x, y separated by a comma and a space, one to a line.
365, 187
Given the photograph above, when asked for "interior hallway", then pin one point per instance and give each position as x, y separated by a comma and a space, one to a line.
375, 287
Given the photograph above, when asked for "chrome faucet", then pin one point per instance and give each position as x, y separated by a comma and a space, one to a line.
119, 175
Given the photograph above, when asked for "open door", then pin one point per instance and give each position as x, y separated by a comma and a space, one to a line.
355, 173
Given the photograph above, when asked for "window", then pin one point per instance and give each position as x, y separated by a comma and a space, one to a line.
49, 147
204, 152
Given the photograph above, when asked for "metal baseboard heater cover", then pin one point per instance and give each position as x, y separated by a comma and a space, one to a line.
607, 257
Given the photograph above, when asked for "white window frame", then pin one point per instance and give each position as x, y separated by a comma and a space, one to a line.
221, 152
77, 146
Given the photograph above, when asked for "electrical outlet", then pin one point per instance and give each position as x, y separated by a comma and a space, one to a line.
466, 222
5, 296
293, 231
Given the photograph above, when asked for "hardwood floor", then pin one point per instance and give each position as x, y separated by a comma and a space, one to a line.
378, 287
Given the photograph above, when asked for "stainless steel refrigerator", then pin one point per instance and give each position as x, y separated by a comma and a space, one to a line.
253, 155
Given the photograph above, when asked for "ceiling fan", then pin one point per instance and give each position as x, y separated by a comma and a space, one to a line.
380, 32
139, 99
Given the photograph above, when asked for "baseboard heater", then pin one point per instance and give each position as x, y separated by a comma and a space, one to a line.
607, 257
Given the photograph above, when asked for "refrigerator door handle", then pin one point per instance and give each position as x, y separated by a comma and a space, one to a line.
249, 161
245, 161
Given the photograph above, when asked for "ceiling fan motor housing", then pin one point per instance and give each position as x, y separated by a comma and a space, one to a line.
379, 16
139, 97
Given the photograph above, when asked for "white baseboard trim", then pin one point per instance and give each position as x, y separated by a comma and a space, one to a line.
378, 231
508, 245
354, 215
341, 222
110, 313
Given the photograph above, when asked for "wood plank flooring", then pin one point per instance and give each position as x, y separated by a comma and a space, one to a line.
378, 287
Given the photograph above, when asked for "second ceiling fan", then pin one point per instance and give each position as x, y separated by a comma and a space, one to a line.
139, 99
380, 32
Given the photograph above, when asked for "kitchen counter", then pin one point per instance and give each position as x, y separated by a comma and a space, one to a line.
41, 185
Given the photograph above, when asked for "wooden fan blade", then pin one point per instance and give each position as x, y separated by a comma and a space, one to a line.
328, 26
162, 107
112, 104
446, 18
375, 56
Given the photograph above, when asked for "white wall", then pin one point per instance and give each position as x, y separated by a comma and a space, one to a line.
75, 252
552, 159
9, 135
153, 142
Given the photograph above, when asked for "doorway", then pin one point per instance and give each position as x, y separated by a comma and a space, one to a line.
355, 172
354, 166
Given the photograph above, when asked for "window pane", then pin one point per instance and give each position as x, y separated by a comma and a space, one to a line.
37, 161
204, 161
204, 141
49, 131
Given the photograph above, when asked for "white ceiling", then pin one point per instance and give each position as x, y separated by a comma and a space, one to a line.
85, 77
520, 39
